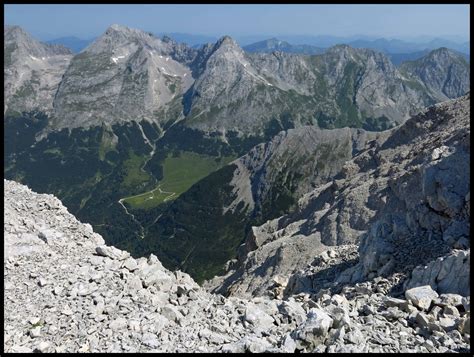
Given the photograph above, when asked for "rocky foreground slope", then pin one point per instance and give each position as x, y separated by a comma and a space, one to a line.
65, 291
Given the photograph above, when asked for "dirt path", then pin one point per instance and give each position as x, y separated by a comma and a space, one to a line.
142, 231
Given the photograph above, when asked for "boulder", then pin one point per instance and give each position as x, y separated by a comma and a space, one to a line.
314, 330
421, 296
257, 317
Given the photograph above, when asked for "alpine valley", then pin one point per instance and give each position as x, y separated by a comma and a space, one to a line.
193, 153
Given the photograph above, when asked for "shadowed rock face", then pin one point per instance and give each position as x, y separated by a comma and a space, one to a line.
403, 199
297, 159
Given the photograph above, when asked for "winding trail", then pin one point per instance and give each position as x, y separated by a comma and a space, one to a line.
142, 168
142, 230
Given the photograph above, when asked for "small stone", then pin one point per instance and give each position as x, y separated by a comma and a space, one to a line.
288, 345
42, 347
134, 325
153, 259
60, 349
34, 320
84, 348
67, 311
423, 320
435, 312
118, 324
111, 252
355, 337
258, 346
464, 325
315, 329
150, 340
392, 314
466, 303
394, 302
447, 323
428, 344
57, 290
451, 310
171, 313
257, 317
21, 349
434, 326
42, 282
130, 264
35, 332
449, 300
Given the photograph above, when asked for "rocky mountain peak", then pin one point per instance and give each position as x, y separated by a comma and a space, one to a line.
340, 48
117, 36
119, 28
10, 31
443, 71
17, 38
226, 42
32, 71
442, 51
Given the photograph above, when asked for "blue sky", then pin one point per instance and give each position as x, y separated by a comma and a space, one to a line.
397, 21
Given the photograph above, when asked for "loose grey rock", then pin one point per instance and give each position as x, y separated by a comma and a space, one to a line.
118, 324
421, 296
42, 347
111, 252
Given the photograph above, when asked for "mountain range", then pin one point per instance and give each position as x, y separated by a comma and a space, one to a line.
306, 44
275, 44
162, 146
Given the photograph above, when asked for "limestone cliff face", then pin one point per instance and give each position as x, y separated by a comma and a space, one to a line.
291, 164
124, 75
404, 200
32, 71
443, 72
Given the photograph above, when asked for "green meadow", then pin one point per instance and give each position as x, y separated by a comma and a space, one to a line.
179, 174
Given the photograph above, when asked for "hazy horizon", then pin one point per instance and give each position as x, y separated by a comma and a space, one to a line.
420, 22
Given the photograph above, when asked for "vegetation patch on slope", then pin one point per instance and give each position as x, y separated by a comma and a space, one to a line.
180, 171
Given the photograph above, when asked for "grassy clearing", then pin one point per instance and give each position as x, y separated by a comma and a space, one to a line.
54, 151
179, 174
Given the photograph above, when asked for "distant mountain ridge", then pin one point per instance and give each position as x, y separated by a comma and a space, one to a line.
397, 58
74, 43
124, 67
274, 44
389, 46
399, 46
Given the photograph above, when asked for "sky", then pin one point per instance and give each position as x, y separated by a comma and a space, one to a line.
47, 22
